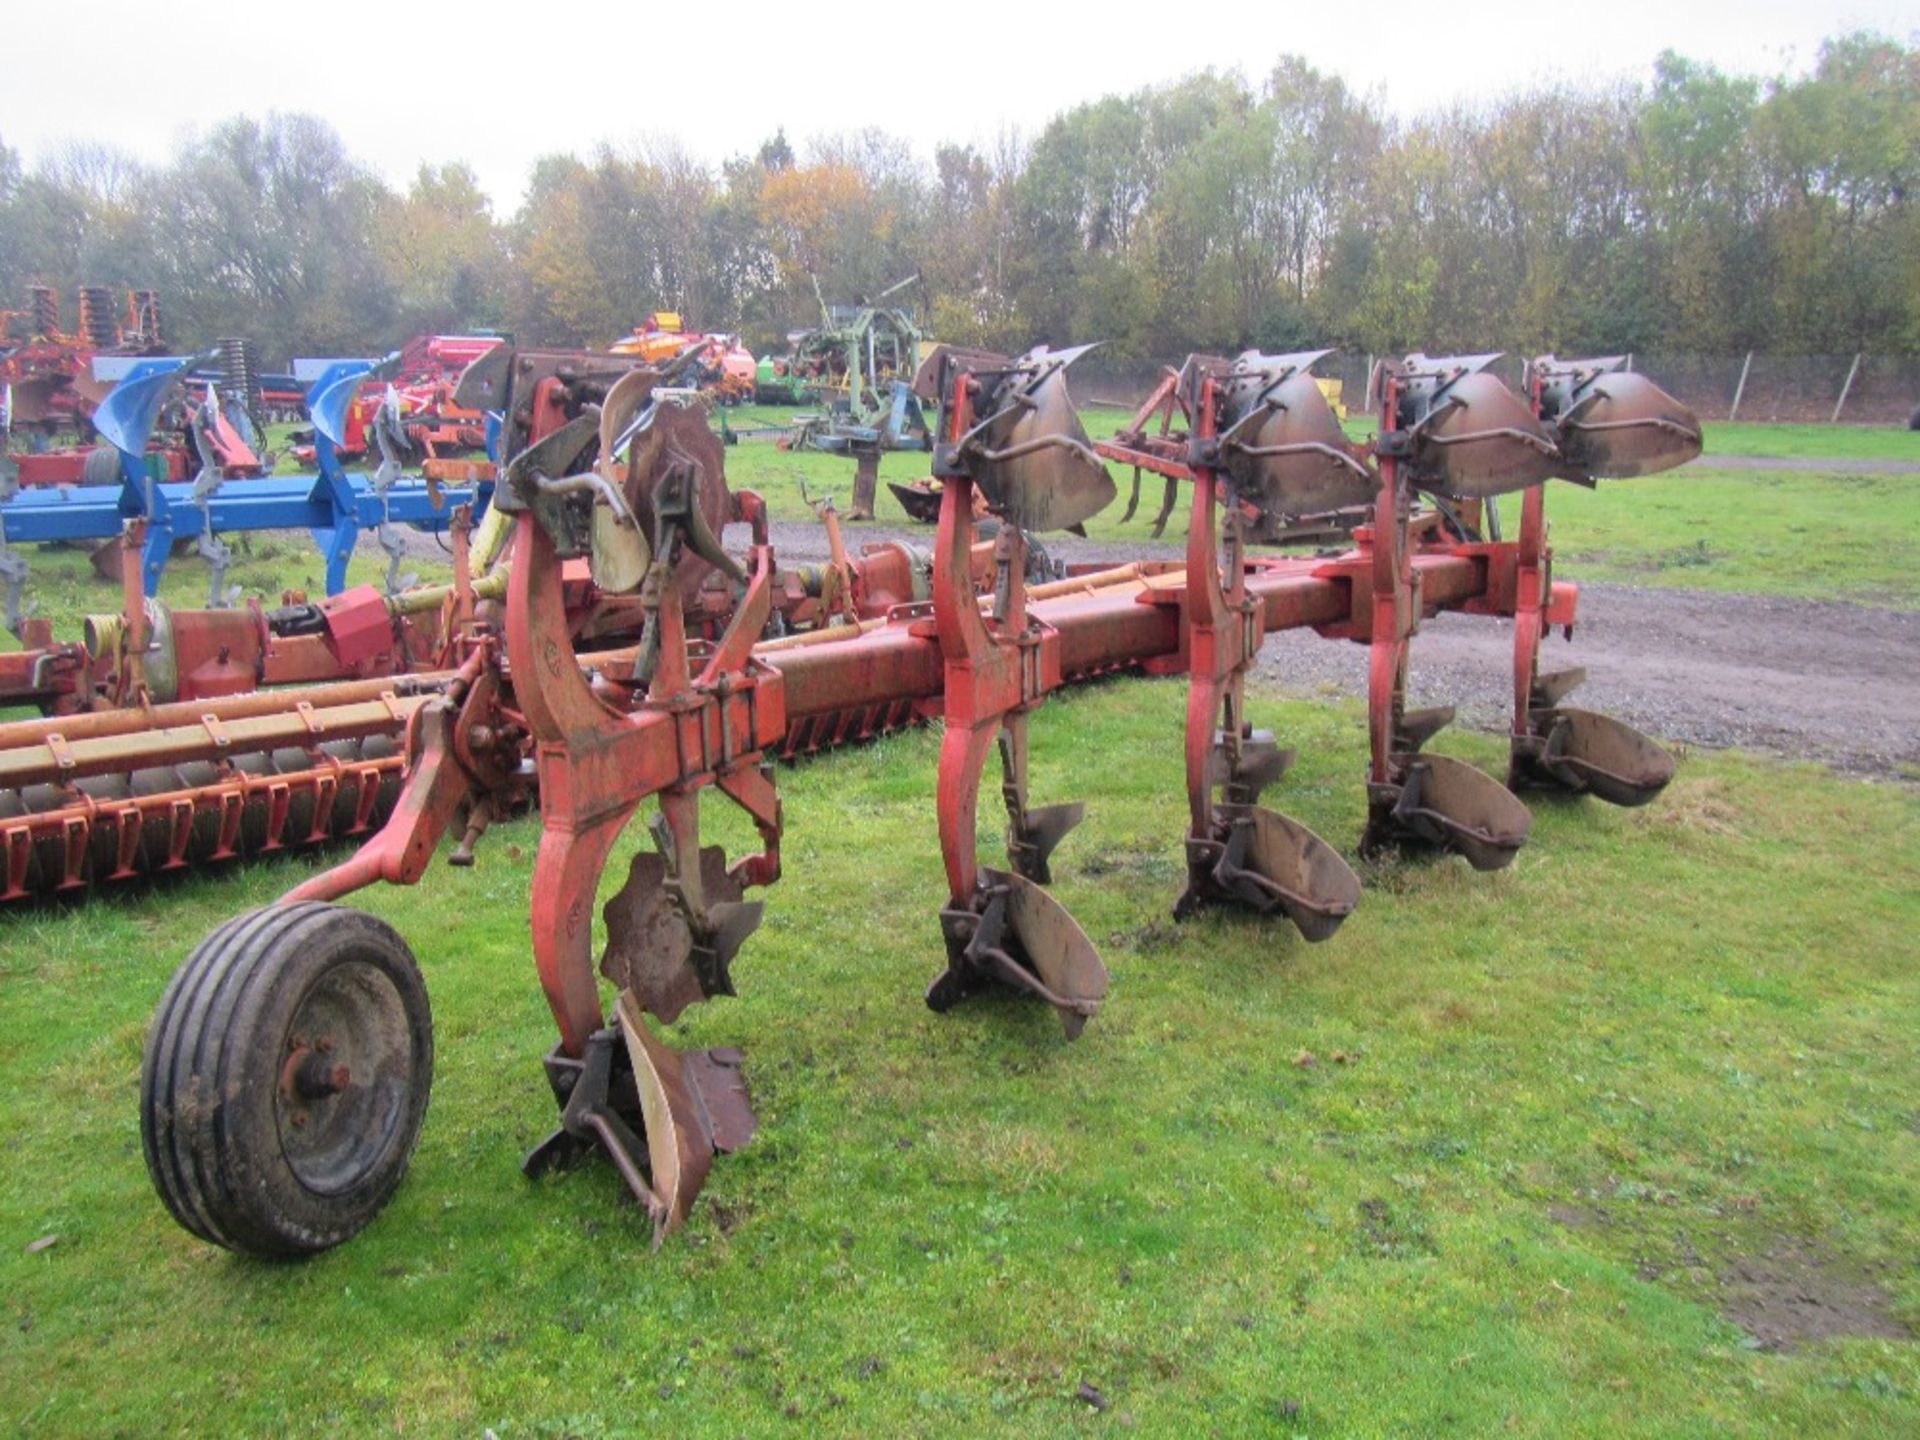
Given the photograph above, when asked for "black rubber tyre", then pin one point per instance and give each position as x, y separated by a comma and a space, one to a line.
285, 1079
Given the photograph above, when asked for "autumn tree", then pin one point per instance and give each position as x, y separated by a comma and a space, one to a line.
445, 257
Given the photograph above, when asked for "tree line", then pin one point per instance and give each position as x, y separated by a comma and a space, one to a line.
1700, 211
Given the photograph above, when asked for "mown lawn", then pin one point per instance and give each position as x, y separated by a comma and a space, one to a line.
1501, 1157
1811, 442
1824, 536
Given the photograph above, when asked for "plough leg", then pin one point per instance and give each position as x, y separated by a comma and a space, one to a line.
1237, 850
1000, 927
1413, 798
673, 929
1555, 746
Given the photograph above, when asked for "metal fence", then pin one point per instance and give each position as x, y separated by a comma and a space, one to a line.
1856, 389
1848, 389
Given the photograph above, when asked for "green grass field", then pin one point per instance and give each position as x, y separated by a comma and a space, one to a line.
1501, 1157
1821, 535
1818, 536
1519, 1153
1812, 442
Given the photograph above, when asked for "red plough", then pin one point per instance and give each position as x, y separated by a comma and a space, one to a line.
296, 1154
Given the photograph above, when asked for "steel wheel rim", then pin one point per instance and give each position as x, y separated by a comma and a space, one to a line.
347, 1066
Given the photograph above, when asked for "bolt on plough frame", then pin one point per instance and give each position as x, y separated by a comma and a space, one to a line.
287, 1070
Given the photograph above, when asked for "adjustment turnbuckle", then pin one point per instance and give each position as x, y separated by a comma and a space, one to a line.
1018, 935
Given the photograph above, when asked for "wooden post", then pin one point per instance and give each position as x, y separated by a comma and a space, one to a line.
1741, 388
1852, 370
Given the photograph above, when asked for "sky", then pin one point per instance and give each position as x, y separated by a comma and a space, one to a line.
498, 85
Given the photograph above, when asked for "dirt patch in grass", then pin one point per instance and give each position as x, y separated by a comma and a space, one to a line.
1389, 1234
1705, 809
1144, 864
1797, 1292
1697, 556
1575, 1217
1155, 935
1785, 1291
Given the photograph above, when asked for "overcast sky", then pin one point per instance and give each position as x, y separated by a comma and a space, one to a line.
401, 85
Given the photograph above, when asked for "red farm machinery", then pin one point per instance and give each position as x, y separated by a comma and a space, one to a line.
49, 388
413, 389
618, 659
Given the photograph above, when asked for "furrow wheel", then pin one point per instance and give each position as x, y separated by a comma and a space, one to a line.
285, 1079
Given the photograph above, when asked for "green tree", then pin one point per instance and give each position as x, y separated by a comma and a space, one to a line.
444, 256
265, 229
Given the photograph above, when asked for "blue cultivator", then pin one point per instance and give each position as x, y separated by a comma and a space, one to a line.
334, 505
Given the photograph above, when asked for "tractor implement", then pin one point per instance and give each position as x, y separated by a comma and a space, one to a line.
333, 505
620, 476
861, 362
123, 806
182, 718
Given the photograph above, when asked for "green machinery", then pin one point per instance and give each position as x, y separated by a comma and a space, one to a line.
859, 366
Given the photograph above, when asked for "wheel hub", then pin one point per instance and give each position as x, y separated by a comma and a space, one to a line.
342, 1084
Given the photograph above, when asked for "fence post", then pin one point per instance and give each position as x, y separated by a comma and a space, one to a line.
1740, 389
1852, 370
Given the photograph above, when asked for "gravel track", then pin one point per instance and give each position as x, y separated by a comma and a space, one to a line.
1807, 679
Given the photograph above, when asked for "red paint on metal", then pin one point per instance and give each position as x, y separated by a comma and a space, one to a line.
597, 764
